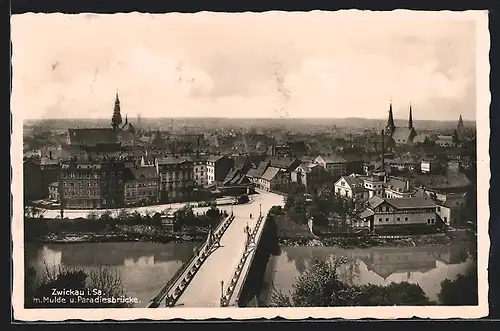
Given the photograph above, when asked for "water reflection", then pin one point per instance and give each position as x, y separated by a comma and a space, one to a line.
426, 266
145, 267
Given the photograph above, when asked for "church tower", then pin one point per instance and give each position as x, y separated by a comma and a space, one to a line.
390, 122
410, 120
116, 120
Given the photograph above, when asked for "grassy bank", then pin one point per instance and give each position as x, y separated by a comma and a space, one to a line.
293, 234
123, 227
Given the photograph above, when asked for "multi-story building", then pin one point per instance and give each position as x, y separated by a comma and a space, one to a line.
273, 178
200, 170
217, 169
374, 184
141, 186
176, 178
394, 214
398, 188
312, 176
351, 187
92, 184
38, 173
334, 164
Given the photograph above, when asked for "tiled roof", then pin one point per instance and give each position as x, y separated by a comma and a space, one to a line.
402, 134
284, 163
215, 158
252, 172
92, 136
410, 203
142, 173
366, 213
54, 184
420, 138
397, 184
335, 158
353, 182
374, 202
261, 169
270, 173
172, 159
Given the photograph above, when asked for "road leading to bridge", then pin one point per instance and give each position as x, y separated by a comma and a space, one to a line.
204, 290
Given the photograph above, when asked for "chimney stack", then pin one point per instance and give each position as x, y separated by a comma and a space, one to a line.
198, 146
173, 148
383, 151
50, 155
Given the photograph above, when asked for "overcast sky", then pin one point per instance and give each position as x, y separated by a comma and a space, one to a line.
315, 64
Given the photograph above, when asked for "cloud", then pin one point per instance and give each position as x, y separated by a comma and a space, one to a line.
262, 65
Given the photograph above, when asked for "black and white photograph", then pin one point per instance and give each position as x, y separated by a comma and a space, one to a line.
295, 164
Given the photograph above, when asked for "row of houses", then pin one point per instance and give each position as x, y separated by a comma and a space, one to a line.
405, 202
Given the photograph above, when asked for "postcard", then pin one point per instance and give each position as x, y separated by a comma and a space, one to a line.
250, 165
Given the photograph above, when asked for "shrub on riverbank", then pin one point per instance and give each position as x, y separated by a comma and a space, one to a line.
62, 287
122, 225
320, 286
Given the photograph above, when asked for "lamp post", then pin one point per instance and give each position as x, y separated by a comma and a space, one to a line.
232, 210
260, 209
221, 291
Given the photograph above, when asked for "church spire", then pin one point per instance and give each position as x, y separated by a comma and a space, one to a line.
116, 120
410, 119
390, 121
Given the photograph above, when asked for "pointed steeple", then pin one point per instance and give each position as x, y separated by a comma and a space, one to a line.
410, 119
460, 121
390, 121
116, 120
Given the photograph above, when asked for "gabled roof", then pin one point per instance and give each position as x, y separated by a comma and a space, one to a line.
366, 213
333, 158
142, 173
410, 203
402, 134
270, 173
284, 163
93, 136
261, 169
374, 202
396, 184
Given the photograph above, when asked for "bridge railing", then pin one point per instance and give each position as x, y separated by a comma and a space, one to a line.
200, 253
226, 298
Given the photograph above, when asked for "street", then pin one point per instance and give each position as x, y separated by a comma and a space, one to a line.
75, 213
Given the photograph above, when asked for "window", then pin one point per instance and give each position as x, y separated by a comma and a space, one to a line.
428, 221
446, 219
439, 208
406, 218
387, 219
380, 219
399, 219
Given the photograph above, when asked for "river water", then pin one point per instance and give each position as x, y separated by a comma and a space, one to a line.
146, 267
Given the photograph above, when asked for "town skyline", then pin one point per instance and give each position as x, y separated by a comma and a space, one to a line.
265, 65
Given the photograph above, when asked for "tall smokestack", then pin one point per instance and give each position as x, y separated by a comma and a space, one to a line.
173, 148
198, 146
382, 151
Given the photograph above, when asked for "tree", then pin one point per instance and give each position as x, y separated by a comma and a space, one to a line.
33, 212
320, 286
105, 280
460, 292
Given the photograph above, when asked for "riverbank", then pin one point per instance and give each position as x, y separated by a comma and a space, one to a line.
292, 234
142, 233
374, 240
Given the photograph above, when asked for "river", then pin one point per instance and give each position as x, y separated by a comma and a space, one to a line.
426, 266
146, 267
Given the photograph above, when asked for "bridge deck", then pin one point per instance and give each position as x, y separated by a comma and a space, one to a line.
204, 290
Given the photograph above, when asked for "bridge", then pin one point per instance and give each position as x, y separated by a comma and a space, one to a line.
215, 275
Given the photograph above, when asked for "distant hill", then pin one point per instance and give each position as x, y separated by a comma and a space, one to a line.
214, 123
